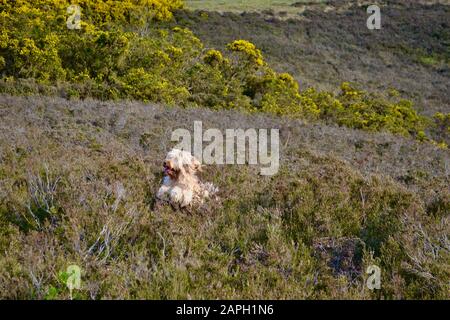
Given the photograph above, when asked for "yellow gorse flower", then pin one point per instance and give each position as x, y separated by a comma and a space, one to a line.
249, 49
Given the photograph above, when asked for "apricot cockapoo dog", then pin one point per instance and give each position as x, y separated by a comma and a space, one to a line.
181, 185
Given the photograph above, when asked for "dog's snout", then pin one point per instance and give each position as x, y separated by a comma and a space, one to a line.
167, 164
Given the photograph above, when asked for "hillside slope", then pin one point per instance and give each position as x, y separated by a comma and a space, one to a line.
325, 45
77, 186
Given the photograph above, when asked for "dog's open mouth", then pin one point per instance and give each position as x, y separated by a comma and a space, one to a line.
168, 171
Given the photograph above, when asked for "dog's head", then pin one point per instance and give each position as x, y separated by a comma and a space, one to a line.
180, 162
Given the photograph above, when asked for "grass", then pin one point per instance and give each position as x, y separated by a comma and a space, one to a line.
283, 9
241, 5
77, 186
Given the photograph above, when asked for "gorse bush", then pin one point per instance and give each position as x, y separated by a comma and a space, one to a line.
358, 109
106, 54
127, 49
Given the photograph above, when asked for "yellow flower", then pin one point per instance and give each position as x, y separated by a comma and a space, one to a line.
247, 48
213, 57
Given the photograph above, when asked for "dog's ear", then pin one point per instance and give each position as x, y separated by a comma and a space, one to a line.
193, 166
196, 165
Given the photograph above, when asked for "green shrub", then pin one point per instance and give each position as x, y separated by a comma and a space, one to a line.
362, 110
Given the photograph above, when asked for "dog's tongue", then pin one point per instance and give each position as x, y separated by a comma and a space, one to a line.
166, 170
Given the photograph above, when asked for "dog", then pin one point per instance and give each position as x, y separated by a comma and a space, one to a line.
180, 185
